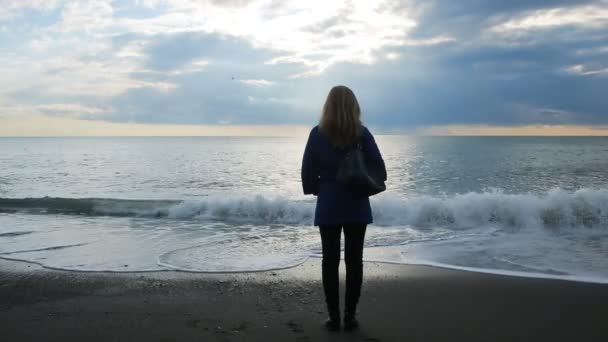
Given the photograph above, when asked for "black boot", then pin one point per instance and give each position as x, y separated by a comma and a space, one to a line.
350, 321
333, 322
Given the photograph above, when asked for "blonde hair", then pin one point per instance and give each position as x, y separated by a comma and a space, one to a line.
341, 118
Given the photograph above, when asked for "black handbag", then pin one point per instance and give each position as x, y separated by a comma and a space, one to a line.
359, 173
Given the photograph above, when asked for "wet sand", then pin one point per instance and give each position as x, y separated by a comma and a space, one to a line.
399, 303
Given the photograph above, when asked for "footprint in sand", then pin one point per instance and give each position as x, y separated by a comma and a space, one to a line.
294, 326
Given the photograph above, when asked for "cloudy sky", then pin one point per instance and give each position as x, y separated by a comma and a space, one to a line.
175, 67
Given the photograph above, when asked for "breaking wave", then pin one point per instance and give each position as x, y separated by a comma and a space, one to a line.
556, 208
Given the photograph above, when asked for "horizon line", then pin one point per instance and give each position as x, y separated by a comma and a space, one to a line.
44, 126
300, 135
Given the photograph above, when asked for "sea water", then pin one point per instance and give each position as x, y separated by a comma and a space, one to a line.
535, 206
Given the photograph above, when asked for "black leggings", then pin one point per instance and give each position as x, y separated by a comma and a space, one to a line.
353, 255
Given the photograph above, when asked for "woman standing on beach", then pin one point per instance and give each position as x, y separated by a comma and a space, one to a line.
338, 207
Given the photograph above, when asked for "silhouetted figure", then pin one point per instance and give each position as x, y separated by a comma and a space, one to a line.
338, 208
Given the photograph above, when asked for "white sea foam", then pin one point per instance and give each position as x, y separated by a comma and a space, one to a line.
256, 210
557, 208
585, 207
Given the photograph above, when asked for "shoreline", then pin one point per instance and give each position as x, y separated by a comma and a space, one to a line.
496, 272
505, 273
398, 303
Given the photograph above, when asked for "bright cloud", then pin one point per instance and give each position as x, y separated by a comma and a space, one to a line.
585, 16
258, 83
71, 110
87, 16
10, 8
582, 70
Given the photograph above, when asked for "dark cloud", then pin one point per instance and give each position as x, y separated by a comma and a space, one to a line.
217, 93
517, 80
330, 23
173, 51
467, 19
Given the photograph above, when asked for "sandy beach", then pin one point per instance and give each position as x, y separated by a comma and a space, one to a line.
399, 303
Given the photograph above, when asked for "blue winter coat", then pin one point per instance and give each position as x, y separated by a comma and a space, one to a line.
335, 203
